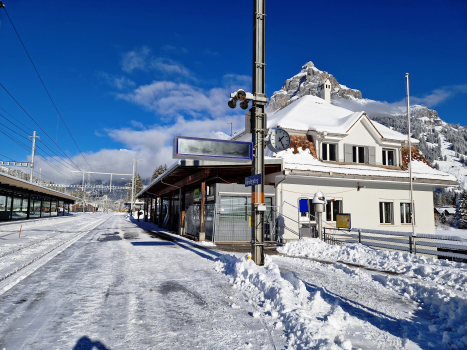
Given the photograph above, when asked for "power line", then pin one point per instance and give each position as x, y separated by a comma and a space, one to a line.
6, 157
45, 88
1, 115
4, 88
27, 133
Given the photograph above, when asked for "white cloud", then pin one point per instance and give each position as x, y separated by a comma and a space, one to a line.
171, 99
118, 82
138, 125
136, 59
142, 59
439, 95
152, 144
431, 100
174, 49
169, 67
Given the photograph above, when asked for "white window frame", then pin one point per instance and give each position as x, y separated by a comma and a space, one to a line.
332, 203
382, 212
326, 144
386, 158
357, 154
403, 218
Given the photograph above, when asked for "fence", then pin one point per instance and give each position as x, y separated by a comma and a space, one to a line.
229, 223
444, 247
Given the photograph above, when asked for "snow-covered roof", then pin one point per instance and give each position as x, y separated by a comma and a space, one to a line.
304, 161
314, 113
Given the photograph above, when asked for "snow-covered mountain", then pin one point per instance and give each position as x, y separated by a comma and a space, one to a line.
443, 144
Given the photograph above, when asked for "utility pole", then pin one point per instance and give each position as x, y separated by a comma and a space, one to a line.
410, 166
83, 189
33, 152
230, 128
258, 119
133, 184
133, 188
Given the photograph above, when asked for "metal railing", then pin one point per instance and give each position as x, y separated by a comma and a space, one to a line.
444, 247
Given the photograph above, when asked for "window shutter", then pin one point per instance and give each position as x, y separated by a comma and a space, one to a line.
367, 156
348, 153
372, 155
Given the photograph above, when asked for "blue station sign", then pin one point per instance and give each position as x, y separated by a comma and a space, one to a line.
254, 180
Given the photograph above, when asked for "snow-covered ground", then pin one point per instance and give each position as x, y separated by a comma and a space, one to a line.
114, 285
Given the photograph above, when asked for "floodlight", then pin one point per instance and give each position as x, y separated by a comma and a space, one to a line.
241, 95
244, 104
232, 102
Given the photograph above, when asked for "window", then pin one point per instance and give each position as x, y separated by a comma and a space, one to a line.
388, 157
385, 213
406, 213
332, 209
358, 154
311, 207
329, 151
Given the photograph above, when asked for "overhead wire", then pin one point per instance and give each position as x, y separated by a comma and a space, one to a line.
4, 88
46, 90
8, 120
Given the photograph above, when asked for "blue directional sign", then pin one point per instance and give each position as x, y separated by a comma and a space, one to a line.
199, 148
253, 180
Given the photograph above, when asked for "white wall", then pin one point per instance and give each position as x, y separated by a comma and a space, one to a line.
363, 205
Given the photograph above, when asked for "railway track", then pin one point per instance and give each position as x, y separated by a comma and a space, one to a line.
12, 278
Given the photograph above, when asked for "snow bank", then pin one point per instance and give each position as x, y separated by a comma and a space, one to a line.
309, 322
443, 272
439, 285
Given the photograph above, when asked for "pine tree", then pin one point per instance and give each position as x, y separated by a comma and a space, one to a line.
461, 212
158, 171
138, 187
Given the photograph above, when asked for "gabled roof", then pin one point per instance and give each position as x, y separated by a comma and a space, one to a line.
314, 113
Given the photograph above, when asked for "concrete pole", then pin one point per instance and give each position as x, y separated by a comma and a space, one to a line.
258, 128
32, 154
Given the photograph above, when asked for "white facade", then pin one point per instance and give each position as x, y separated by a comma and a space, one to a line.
360, 199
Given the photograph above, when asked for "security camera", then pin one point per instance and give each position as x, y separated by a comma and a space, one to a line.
241, 95
232, 102
244, 104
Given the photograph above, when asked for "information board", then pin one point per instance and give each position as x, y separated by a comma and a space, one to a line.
343, 221
199, 148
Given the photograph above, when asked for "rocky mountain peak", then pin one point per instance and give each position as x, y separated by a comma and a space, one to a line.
306, 83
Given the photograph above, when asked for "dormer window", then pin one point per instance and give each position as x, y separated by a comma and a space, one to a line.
388, 157
329, 152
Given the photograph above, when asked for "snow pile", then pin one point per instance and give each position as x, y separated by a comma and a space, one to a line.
443, 272
309, 322
438, 285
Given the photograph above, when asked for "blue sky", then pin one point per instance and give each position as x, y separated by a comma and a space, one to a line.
132, 75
